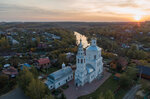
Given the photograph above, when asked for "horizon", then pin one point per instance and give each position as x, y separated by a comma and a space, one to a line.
76, 11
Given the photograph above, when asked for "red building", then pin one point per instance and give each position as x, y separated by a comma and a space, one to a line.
43, 63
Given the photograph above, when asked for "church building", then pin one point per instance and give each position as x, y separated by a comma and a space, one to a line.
89, 65
59, 77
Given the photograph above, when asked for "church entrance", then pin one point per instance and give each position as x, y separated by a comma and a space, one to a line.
77, 84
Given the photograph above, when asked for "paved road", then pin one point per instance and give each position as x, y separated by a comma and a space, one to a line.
132, 92
14, 94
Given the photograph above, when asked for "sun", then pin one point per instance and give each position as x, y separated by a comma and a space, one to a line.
137, 17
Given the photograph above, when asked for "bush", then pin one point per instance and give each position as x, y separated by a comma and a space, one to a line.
65, 86
57, 92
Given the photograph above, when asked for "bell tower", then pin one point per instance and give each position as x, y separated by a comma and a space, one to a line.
80, 58
93, 42
80, 72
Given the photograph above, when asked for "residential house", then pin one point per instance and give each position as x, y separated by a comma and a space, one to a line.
6, 65
42, 45
43, 63
144, 71
121, 62
11, 71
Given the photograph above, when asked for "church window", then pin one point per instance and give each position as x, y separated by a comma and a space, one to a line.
94, 56
84, 60
81, 60
78, 60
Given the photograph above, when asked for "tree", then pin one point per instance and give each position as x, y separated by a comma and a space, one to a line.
34, 71
145, 85
109, 95
24, 78
127, 78
49, 97
131, 71
125, 81
3, 81
101, 96
36, 89
4, 44
62, 58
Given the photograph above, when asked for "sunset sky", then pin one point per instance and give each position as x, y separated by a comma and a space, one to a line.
74, 10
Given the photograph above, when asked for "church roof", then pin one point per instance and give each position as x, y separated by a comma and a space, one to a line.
89, 68
60, 73
93, 48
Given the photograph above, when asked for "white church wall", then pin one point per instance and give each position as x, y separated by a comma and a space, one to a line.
63, 81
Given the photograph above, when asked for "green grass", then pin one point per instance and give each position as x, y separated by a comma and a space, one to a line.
109, 84
53, 69
49, 70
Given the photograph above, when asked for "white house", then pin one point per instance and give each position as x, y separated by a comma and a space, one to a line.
89, 65
60, 77
6, 65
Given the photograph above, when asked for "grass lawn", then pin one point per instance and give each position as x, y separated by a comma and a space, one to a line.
53, 69
49, 70
109, 84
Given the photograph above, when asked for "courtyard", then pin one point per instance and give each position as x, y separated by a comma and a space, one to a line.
74, 92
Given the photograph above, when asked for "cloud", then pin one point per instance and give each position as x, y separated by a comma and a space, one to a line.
72, 9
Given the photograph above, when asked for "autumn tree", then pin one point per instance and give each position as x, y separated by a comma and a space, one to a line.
36, 89
24, 78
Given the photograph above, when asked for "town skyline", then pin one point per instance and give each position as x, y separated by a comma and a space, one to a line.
78, 10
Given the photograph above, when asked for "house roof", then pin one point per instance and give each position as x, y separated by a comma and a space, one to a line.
10, 71
117, 75
144, 70
42, 61
60, 73
6, 65
26, 65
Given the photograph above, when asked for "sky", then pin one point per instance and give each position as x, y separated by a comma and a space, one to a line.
74, 10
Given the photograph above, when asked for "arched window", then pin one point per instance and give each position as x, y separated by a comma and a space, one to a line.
94, 56
81, 60
78, 60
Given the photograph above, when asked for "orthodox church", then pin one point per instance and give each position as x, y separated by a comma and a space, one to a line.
89, 65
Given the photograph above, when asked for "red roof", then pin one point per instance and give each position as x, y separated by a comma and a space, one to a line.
10, 71
42, 61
